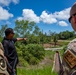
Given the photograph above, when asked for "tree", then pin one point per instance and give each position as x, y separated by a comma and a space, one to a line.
3, 28
36, 30
27, 29
55, 40
66, 35
23, 27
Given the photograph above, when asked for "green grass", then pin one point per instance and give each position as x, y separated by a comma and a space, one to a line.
49, 54
44, 71
40, 69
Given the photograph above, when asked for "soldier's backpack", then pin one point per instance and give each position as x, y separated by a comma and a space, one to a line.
3, 66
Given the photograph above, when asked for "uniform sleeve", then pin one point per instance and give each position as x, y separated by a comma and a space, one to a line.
1, 46
5, 46
14, 40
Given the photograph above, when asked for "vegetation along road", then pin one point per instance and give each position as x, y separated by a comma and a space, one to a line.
54, 49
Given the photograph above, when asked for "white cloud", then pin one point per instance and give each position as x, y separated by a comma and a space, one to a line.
62, 15
47, 18
28, 14
7, 2
4, 2
55, 17
4, 14
15, 1
20, 18
62, 23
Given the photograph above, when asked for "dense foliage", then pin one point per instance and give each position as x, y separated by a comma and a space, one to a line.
32, 53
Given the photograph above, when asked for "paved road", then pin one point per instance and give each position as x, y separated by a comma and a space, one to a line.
54, 49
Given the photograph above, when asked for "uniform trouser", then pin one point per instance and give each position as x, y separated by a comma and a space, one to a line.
13, 72
67, 70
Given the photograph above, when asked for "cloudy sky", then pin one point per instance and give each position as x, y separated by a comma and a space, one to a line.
48, 14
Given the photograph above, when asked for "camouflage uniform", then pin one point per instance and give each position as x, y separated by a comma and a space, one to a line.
66, 68
3, 67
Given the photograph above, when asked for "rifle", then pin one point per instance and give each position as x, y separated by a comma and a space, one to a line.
14, 71
57, 67
10, 68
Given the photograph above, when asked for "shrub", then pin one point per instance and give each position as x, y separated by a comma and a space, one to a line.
33, 53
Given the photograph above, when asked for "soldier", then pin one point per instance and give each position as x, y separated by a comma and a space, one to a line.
69, 56
10, 50
68, 65
3, 66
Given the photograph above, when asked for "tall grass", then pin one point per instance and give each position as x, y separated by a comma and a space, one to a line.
39, 69
44, 71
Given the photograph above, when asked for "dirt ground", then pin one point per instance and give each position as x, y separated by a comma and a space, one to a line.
49, 45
